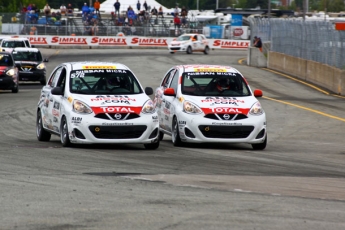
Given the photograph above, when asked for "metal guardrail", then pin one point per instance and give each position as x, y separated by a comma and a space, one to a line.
315, 40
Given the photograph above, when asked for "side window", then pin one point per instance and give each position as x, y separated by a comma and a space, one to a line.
53, 79
27, 43
174, 81
167, 78
61, 82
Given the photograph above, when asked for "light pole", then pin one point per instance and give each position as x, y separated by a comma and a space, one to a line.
217, 4
197, 4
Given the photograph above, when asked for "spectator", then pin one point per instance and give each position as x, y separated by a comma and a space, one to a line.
94, 28
160, 12
184, 11
29, 8
177, 22
87, 28
258, 43
184, 21
46, 10
176, 11
70, 10
154, 11
138, 6
24, 9
97, 5
117, 5
34, 8
85, 9
63, 9
131, 14
145, 6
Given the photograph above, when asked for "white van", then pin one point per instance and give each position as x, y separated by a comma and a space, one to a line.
8, 44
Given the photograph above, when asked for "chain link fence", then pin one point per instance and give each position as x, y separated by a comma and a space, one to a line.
315, 40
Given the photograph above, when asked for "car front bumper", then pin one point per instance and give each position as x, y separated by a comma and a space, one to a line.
35, 75
90, 130
193, 128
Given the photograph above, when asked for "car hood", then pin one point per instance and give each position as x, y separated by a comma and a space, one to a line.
113, 103
179, 42
222, 105
27, 62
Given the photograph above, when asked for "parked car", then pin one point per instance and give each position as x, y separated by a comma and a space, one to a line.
8, 44
210, 103
8, 73
96, 103
190, 43
30, 64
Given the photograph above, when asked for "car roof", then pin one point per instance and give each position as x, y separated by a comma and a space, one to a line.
96, 65
24, 49
15, 39
208, 68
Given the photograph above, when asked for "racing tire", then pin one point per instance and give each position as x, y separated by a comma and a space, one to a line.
15, 89
175, 134
207, 50
189, 50
42, 135
260, 146
172, 52
64, 137
152, 146
161, 135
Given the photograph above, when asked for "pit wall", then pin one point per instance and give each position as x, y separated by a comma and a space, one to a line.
325, 76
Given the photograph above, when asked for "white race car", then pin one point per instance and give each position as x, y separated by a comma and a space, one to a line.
96, 102
190, 43
210, 103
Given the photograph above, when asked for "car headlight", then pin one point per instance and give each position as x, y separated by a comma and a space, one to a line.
149, 107
81, 107
10, 72
256, 109
41, 66
189, 107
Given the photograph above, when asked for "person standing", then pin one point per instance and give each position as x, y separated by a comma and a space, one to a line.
97, 5
258, 43
117, 5
138, 6
145, 6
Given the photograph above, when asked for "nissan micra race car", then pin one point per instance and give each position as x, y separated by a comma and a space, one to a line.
209, 103
190, 43
96, 102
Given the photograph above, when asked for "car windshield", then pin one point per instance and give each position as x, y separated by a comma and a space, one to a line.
5, 60
104, 81
214, 84
183, 38
27, 56
12, 44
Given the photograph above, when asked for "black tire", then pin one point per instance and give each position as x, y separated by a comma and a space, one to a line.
161, 135
172, 52
64, 133
42, 135
260, 146
189, 50
152, 146
43, 81
175, 134
207, 50
15, 89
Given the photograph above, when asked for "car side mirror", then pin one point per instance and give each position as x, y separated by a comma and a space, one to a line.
46, 60
57, 91
148, 91
257, 93
169, 92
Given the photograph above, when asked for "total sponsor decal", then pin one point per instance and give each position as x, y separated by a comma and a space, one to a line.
38, 40
222, 100
116, 109
69, 40
149, 41
223, 110
109, 41
230, 44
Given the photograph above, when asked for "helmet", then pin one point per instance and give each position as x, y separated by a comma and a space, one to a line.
223, 84
113, 81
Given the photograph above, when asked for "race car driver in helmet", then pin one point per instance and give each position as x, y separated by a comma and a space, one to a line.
223, 84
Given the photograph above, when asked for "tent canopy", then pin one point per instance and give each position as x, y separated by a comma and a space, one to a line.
108, 5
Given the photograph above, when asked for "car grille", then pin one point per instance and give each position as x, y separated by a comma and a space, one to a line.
118, 132
117, 116
175, 48
227, 117
233, 132
27, 68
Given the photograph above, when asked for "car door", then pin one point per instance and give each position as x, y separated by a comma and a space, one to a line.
171, 102
160, 99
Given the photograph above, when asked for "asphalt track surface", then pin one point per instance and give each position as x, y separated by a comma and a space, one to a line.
297, 182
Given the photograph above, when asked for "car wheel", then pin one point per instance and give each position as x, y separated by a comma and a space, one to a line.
15, 89
189, 50
152, 146
172, 52
64, 137
207, 50
161, 135
260, 146
42, 135
175, 137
